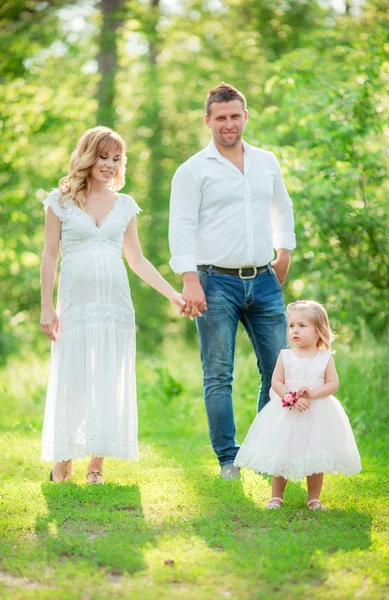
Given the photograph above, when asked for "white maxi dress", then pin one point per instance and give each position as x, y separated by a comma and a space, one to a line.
91, 396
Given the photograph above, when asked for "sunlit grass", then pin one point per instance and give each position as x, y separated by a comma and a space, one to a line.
166, 526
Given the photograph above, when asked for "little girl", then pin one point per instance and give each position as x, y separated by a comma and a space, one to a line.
303, 431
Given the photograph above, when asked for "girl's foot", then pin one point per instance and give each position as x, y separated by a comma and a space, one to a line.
275, 502
61, 472
315, 504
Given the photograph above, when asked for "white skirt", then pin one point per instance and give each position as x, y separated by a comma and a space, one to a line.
293, 445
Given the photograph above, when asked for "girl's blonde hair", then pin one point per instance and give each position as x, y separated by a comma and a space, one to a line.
76, 185
317, 315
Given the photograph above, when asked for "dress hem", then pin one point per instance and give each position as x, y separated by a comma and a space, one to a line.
294, 477
86, 454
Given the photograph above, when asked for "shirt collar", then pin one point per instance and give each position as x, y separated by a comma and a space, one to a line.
211, 150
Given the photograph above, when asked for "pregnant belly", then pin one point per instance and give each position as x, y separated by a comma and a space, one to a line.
97, 277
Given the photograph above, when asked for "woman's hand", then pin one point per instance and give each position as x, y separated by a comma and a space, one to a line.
177, 300
49, 323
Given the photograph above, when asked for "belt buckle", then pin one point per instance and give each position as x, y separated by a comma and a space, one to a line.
247, 276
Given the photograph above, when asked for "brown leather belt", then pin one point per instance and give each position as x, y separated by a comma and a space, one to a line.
242, 272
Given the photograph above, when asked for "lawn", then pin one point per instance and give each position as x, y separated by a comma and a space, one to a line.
166, 526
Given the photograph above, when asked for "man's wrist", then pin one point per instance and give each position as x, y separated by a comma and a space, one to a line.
283, 255
190, 277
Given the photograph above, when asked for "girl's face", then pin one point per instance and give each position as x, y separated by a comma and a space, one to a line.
301, 330
106, 166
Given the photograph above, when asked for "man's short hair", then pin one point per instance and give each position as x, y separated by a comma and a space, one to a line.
223, 93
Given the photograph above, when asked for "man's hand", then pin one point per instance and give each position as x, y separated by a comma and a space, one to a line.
281, 264
194, 296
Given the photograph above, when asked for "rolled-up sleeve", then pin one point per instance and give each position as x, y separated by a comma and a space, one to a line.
185, 202
282, 213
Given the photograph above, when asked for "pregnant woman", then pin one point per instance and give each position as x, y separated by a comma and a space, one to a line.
91, 397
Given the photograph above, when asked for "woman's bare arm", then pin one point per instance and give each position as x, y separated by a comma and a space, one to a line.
143, 267
49, 319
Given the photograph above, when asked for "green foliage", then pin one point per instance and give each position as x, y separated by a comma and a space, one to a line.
316, 84
26, 26
330, 124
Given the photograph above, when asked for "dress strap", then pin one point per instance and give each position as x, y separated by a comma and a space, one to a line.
286, 355
323, 356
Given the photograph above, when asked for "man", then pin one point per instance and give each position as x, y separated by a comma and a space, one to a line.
229, 210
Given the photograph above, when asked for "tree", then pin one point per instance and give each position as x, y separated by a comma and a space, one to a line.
316, 84
107, 60
331, 124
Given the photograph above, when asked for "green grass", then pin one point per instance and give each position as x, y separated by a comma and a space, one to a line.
166, 526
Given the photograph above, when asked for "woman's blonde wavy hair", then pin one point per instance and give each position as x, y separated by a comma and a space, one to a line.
317, 315
76, 185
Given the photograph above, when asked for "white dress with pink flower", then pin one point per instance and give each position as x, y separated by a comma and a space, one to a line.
292, 444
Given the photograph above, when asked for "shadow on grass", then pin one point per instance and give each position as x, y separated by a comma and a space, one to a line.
278, 547
102, 529
103, 525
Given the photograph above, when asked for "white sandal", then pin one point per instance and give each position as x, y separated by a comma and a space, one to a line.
315, 504
279, 504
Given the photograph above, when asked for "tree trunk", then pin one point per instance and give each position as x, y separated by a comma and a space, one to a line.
153, 108
112, 19
156, 236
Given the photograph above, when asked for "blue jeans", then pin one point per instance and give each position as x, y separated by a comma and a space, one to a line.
259, 305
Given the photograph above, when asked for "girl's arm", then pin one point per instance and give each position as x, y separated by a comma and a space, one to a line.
331, 385
49, 319
143, 268
278, 379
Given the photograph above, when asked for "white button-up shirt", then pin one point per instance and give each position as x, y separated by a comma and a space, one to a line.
223, 217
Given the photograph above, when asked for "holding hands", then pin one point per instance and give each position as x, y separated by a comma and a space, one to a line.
193, 295
186, 310
177, 300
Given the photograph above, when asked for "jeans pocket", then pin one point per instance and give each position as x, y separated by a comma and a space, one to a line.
276, 279
203, 278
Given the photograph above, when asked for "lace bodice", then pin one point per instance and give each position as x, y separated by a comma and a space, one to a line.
304, 371
79, 231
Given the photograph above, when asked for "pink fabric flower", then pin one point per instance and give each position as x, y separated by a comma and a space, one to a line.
289, 399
